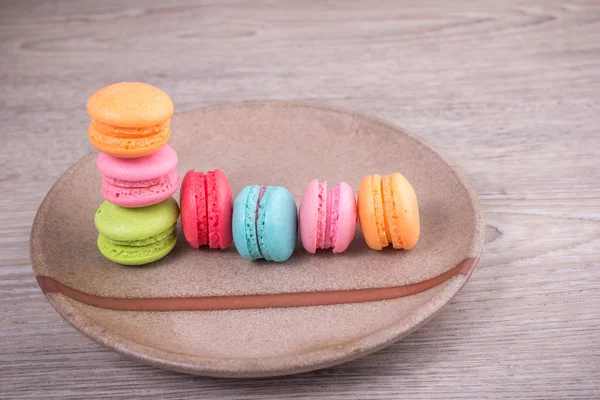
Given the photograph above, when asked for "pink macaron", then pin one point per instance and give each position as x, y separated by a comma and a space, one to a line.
139, 182
206, 209
327, 217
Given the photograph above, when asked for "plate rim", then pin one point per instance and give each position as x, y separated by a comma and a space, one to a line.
265, 366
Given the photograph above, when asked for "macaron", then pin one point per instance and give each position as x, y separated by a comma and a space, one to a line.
136, 236
206, 207
129, 119
265, 223
388, 212
139, 182
327, 217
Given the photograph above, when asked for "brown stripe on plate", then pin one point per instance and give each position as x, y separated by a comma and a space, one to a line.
249, 301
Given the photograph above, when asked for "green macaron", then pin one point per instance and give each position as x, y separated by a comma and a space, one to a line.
136, 236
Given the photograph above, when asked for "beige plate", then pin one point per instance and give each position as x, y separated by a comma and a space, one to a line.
276, 143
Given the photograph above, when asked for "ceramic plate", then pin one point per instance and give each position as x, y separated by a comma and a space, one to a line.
211, 312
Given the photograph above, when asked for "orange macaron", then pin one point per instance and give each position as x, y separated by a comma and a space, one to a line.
388, 212
129, 119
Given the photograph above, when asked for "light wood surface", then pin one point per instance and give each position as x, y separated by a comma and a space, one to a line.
508, 90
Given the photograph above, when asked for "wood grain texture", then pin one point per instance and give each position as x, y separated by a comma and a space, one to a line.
508, 90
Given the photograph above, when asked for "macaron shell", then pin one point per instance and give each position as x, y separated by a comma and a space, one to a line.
277, 224
144, 168
380, 216
130, 104
130, 224
345, 223
189, 217
366, 214
244, 223
407, 210
129, 255
212, 212
308, 216
224, 208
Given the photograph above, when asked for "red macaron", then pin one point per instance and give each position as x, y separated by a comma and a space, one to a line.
206, 209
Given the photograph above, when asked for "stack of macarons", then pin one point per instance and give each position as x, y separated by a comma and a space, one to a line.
130, 127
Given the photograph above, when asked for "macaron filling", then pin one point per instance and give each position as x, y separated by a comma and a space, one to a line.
377, 189
212, 205
261, 202
201, 208
129, 132
322, 209
391, 216
334, 215
255, 222
328, 215
164, 185
143, 242
328, 243
251, 213
128, 141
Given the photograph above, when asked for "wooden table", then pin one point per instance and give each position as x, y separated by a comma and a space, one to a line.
508, 90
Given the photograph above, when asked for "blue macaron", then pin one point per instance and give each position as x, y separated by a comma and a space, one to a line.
265, 223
